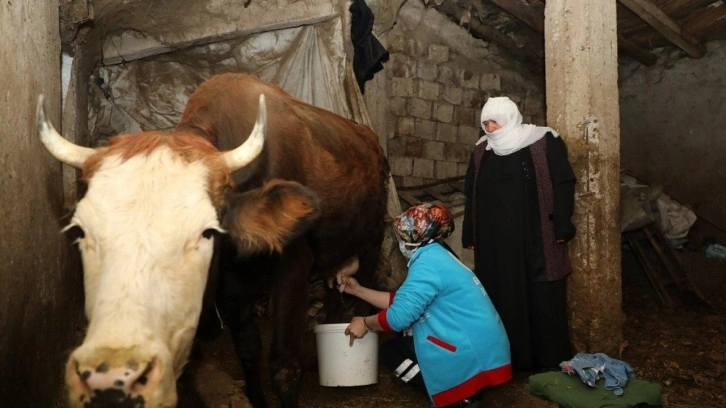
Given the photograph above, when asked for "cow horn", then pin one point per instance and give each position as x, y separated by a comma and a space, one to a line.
56, 144
251, 148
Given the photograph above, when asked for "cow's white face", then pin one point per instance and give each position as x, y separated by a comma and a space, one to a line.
146, 251
146, 246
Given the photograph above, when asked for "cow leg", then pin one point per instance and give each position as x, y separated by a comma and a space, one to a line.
248, 346
240, 287
187, 392
290, 302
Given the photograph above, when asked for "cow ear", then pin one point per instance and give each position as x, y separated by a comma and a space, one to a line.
267, 218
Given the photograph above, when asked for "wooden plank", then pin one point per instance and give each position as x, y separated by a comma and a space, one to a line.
530, 14
409, 198
432, 184
533, 16
441, 191
650, 272
459, 187
435, 194
632, 49
707, 21
674, 273
527, 52
670, 260
666, 26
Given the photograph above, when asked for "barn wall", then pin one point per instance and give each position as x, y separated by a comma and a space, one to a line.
672, 128
439, 78
39, 293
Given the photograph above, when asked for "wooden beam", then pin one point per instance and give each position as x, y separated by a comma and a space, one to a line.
632, 49
528, 53
533, 16
666, 26
707, 21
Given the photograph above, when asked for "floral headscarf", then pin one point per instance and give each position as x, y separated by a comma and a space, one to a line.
424, 223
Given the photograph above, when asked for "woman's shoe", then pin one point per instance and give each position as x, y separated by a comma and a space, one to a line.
467, 403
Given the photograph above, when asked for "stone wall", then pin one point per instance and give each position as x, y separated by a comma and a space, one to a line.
40, 279
672, 128
439, 77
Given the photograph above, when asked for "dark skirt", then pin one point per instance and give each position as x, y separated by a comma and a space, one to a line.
510, 263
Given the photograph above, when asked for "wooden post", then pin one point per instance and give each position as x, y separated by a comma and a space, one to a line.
581, 63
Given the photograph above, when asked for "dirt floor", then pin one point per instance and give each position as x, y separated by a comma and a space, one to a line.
682, 347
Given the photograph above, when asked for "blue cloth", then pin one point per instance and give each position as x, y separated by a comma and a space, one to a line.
460, 341
591, 367
716, 251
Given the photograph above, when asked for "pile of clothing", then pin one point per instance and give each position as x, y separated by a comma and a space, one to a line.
595, 381
592, 367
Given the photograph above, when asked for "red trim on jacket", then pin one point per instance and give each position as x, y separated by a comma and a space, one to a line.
441, 343
471, 386
383, 321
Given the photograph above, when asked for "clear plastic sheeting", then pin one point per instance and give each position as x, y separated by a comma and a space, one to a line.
307, 61
675, 220
636, 210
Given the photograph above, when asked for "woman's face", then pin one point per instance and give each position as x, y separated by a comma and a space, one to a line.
491, 125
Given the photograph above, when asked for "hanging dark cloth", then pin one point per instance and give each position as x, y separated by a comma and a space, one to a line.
369, 52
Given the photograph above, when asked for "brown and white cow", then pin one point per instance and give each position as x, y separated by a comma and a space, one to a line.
304, 195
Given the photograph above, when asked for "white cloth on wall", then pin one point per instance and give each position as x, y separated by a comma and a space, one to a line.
675, 220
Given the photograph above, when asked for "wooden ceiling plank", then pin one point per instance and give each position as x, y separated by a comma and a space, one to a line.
666, 26
532, 15
706, 21
495, 36
639, 54
528, 53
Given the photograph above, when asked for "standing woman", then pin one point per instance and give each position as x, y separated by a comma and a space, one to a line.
519, 201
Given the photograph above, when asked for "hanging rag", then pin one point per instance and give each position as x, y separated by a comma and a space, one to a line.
369, 53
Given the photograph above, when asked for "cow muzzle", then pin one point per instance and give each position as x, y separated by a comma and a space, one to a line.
109, 377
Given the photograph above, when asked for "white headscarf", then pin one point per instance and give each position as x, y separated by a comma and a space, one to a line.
513, 135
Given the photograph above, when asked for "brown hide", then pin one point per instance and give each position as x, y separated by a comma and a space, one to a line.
339, 160
267, 218
311, 204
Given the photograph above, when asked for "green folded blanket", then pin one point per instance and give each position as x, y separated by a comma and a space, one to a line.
569, 392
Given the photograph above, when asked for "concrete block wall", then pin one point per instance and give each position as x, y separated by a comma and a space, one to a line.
672, 126
439, 78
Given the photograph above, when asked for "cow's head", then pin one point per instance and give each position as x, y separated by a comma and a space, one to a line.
147, 224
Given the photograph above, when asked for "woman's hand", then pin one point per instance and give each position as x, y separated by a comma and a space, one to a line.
349, 285
356, 329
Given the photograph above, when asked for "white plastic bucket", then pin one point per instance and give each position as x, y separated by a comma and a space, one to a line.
339, 364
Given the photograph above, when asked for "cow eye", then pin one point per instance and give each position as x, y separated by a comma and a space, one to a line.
209, 233
74, 233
